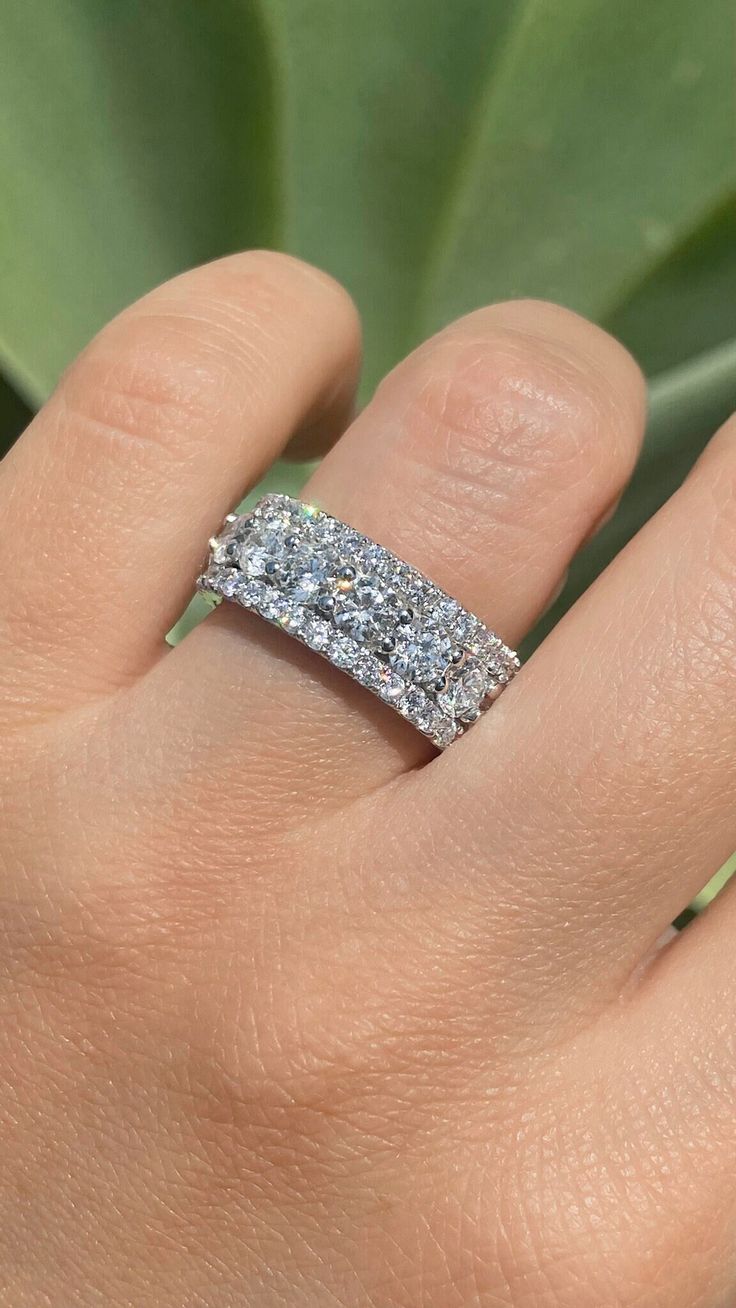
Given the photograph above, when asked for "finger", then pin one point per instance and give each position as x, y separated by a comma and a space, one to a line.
491, 454
171, 413
484, 459
631, 779
673, 1044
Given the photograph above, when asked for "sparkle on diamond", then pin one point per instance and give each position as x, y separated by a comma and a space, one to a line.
226, 548
305, 575
368, 611
465, 692
425, 655
373, 615
265, 544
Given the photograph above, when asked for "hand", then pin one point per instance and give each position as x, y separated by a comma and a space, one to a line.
293, 1012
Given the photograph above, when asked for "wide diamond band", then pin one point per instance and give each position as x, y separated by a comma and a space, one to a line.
372, 615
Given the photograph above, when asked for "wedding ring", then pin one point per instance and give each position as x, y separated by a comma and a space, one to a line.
368, 612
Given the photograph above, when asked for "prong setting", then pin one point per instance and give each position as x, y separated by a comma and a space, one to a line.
365, 610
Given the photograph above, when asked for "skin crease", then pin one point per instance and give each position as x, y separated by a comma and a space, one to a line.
291, 1011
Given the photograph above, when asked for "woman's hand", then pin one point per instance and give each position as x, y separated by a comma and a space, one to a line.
294, 1013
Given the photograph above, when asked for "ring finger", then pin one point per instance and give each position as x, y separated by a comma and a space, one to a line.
485, 459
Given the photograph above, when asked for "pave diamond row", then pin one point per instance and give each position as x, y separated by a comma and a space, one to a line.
372, 615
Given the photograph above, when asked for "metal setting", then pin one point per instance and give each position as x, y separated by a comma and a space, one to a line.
365, 610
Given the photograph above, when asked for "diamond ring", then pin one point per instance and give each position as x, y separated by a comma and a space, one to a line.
365, 610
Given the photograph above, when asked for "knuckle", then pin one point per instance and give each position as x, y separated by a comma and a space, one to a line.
496, 407
271, 293
203, 345
568, 340
154, 385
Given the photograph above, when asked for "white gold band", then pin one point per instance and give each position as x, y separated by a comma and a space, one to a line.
365, 610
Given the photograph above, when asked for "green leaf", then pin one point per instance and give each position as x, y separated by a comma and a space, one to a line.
434, 156
714, 886
377, 98
600, 144
136, 139
461, 153
687, 304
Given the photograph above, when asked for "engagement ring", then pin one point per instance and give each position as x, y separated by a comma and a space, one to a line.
369, 613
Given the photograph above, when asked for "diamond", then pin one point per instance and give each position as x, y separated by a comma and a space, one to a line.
367, 670
358, 622
373, 559
343, 651
448, 610
276, 500
444, 732
465, 628
308, 511
485, 644
215, 577
316, 633
494, 666
226, 546
465, 692
415, 594
330, 532
265, 542
230, 584
273, 606
424, 655
305, 574
294, 620
250, 594
418, 709
391, 687
253, 562
369, 610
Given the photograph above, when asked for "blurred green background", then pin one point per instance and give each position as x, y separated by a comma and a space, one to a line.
432, 154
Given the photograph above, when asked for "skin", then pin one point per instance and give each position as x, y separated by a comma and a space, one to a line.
294, 1012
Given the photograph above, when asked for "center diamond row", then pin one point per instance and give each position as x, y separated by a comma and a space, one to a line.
370, 596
